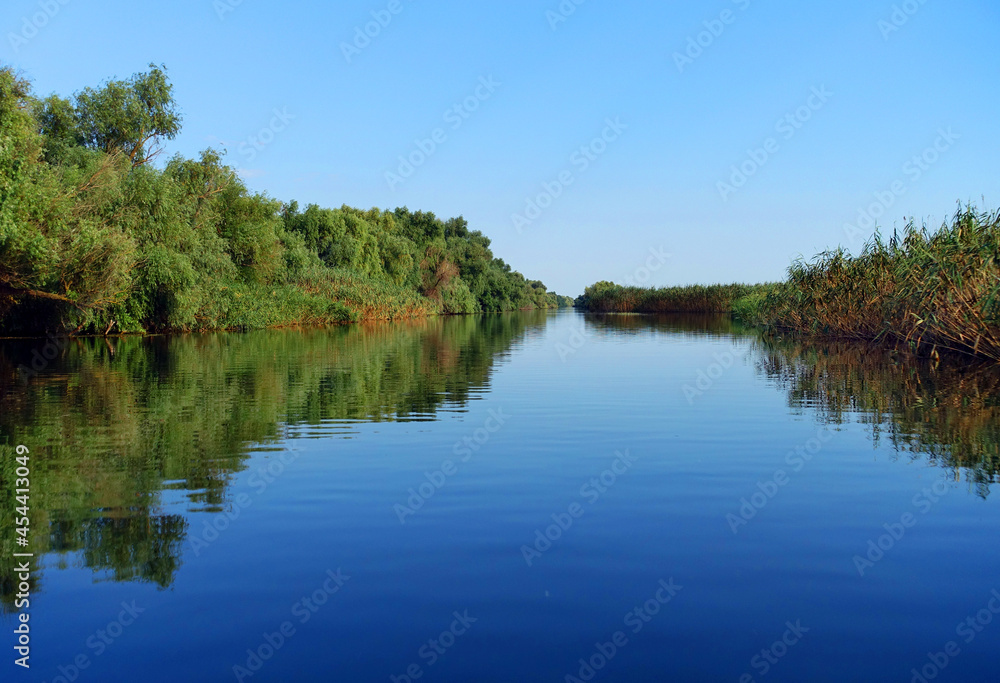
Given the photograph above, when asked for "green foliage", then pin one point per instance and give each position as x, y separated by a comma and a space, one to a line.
607, 297
929, 291
95, 238
61, 253
58, 125
456, 298
753, 308
129, 116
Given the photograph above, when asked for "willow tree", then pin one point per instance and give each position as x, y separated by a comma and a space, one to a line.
60, 250
129, 116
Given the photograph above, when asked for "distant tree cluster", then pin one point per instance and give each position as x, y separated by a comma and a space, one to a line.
94, 237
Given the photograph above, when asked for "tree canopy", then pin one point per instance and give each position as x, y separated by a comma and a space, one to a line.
94, 237
130, 116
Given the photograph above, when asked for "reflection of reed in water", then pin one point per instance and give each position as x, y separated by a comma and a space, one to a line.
948, 411
698, 324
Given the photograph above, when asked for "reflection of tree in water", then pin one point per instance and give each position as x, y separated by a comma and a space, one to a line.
111, 424
948, 412
137, 546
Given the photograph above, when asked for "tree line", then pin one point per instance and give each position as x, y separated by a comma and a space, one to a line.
96, 237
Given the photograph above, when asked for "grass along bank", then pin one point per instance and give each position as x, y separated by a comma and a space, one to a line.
927, 290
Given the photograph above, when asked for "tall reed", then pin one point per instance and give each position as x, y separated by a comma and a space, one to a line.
928, 290
607, 297
931, 291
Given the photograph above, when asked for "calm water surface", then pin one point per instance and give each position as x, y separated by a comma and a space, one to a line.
504, 498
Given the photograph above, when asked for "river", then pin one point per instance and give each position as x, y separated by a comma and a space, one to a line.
536, 496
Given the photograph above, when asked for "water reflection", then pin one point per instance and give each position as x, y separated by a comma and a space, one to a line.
947, 412
116, 426
122, 431
689, 324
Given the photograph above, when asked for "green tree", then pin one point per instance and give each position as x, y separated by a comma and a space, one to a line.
59, 251
92, 236
131, 116
59, 127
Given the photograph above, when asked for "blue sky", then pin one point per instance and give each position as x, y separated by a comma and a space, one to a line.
869, 86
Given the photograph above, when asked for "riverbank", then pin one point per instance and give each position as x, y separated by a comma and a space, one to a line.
97, 238
930, 291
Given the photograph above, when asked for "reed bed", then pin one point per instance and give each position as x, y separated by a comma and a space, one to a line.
931, 291
607, 297
928, 290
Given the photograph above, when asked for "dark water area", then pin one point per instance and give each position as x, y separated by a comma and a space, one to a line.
524, 497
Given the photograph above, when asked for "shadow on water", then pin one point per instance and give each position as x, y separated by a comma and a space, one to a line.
116, 425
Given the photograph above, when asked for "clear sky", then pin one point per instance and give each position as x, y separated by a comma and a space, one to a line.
662, 120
